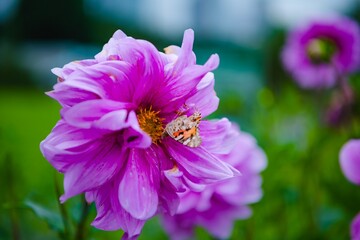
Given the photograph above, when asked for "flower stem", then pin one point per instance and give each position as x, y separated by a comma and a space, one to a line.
346, 90
81, 227
14, 218
65, 235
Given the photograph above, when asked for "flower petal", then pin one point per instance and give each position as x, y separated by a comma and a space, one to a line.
63, 145
169, 200
111, 216
69, 68
240, 190
188, 201
138, 187
142, 55
109, 50
205, 99
350, 160
174, 177
84, 114
134, 137
113, 121
93, 169
221, 224
355, 228
68, 96
186, 57
179, 88
179, 227
182, 76
198, 164
108, 80
217, 136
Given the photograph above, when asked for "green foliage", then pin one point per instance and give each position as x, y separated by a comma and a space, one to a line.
53, 219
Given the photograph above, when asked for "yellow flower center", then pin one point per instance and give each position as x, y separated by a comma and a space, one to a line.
151, 123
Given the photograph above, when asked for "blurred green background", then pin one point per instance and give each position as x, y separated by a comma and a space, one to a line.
305, 194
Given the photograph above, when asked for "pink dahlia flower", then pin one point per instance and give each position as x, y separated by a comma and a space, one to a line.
355, 228
350, 160
218, 205
323, 51
111, 142
350, 165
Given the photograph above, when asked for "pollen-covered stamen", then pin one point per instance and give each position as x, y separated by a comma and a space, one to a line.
321, 50
151, 123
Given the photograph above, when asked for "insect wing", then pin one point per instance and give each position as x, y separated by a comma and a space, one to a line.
185, 130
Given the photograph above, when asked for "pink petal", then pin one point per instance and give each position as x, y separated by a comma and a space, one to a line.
179, 88
217, 136
355, 228
84, 114
138, 53
221, 223
186, 57
69, 68
350, 160
205, 99
119, 34
134, 137
147, 66
111, 216
108, 80
113, 121
178, 227
168, 199
69, 96
174, 177
92, 169
188, 201
138, 187
65, 143
199, 164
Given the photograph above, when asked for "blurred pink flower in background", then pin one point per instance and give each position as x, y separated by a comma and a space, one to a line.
218, 205
350, 160
322, 52
350, 165
355, 228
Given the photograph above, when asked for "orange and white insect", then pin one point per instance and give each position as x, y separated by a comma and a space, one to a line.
185, 129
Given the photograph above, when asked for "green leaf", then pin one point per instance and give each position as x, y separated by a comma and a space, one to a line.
53, 219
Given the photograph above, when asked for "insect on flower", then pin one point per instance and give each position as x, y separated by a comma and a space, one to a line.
185, 129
